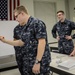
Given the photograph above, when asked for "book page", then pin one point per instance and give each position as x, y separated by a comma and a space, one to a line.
68, 64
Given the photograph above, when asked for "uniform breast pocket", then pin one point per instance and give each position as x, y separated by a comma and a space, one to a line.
67, 28
26, 36
58, 29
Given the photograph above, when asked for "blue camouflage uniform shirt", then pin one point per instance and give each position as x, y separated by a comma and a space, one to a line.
62, 29
26, 55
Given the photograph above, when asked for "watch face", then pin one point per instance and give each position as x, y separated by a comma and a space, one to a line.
37, 61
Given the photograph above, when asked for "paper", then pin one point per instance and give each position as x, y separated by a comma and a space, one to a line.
68, 64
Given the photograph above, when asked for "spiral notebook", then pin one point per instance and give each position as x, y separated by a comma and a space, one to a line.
68, 64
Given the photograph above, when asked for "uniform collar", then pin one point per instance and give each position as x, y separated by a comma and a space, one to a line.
65, 21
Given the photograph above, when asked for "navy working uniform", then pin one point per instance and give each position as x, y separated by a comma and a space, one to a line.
62, 29
26, 55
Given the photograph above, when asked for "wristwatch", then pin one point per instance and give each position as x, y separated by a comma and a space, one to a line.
37, 62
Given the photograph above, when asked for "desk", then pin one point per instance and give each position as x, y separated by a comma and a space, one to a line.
54, 65
53, 46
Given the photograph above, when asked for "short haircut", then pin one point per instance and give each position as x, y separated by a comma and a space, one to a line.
20, 8
60, 12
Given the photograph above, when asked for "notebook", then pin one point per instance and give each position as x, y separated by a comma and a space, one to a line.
68, 64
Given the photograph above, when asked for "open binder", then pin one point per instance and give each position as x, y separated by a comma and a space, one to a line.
68, 64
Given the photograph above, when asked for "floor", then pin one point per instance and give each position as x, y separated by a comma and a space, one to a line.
13, 72
10, 72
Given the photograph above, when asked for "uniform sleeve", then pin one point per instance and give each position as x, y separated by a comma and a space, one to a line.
40, 30
15, 37
73, 28
73, 25
54, 31
73, 36
14, 34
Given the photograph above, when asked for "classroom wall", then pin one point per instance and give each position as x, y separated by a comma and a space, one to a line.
72, 10
60, 4
29, 5
66, 5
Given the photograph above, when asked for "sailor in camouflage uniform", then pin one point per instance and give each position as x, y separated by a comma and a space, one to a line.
62, 31
31, 44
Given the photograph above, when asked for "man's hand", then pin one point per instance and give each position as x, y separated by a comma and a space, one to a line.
58, 38
2, 38
73, 52
36, 68
68, 37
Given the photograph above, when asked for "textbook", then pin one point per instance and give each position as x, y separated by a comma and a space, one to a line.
68, 64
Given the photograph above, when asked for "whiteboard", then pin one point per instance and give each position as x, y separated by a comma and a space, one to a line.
6, 30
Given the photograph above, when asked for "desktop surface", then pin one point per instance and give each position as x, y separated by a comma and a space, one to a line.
59, 58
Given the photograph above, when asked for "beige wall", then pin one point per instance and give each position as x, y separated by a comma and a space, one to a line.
29, 5
71, 9
60, 5
68, 7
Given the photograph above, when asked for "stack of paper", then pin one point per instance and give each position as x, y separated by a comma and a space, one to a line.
68, 64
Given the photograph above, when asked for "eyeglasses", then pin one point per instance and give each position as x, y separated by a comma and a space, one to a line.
17, 15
